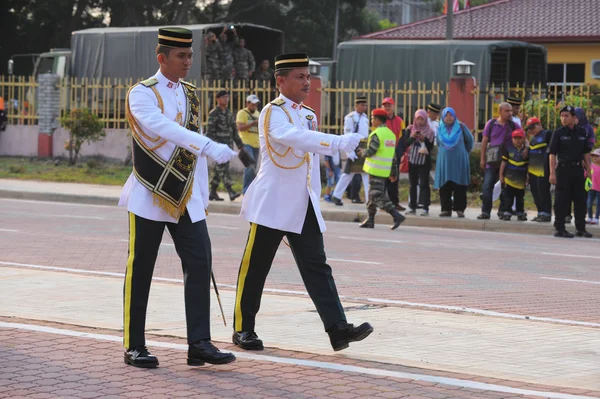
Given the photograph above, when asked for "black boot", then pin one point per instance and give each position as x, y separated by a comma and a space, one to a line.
204, 351
398, 219
213, 196
140, 357
232, 194
341, 334
247, 340
369, 222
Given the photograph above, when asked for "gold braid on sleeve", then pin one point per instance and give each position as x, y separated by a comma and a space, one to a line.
136, 130
271, 150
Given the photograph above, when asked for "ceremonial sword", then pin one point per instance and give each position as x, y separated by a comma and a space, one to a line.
212, 276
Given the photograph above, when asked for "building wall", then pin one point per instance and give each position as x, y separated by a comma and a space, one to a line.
574, 53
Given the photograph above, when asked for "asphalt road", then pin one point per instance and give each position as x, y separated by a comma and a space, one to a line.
533, 276
505, 276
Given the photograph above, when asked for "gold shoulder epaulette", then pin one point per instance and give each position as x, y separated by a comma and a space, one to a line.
308, 108
278, 101
149, 82
188, 84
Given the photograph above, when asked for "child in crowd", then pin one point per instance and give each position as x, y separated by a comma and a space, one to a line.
594, 193
539, 169
513, 174
332, 170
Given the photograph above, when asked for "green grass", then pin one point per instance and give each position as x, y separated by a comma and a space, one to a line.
91, 170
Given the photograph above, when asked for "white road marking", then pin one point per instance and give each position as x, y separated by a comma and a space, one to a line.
571, 255
10, 230
455, 382
67, 204
166, 244
81, 271
355, 261
571, 280
50, 215
371, 239
344, 297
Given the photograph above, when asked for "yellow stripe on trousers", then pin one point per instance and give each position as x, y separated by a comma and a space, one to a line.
242, 277
128, 277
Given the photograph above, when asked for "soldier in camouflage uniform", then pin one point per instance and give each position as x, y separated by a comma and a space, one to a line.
227, 70
380, 163
243, 61
222, 129
264, 73
214, 57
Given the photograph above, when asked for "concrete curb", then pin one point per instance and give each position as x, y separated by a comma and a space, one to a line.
334, 215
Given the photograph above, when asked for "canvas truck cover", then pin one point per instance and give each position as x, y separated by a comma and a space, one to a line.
130, 52
418, 60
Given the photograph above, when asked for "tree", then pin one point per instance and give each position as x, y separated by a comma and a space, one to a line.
83, 127
34, 27
440, 4
307, 24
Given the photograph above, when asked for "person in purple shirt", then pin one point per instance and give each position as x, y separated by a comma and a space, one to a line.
497, 132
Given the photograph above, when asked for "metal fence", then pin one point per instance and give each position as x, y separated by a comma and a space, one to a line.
106, 98
540, 100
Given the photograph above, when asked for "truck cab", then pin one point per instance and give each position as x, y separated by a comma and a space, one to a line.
56, 61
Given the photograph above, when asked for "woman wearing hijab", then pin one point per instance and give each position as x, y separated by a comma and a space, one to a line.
420, 142
452, 170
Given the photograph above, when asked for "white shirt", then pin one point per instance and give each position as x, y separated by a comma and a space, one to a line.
357, 123
144, 107
517, 121
433, 125
278, 198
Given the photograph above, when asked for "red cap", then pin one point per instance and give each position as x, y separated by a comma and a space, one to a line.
379, 112
388, 100
532, 121
518, 133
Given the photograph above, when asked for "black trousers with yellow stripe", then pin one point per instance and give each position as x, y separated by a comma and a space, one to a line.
309, 253
192, 244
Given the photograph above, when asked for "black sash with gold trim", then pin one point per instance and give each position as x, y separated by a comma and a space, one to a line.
169, 181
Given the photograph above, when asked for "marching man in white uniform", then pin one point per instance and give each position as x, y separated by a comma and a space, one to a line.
169, 188
283, 201
356, 121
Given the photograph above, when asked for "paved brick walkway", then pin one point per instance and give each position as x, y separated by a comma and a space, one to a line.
42, 365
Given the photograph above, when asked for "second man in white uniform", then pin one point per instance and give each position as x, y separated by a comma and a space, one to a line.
283, 201
356, 121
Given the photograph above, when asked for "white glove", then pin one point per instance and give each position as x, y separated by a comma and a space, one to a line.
221, 153
348, 142
351, 155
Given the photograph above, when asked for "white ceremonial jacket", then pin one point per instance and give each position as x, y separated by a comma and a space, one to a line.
279, 195
357, 123
144, 106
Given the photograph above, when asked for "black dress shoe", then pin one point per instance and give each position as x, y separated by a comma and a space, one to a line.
400, 208
357, 201
583, 233
336, 201
247, 340
140, 357
341, 334
563, 234
205, 352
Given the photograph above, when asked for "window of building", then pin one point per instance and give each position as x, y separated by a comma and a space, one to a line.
566, 74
